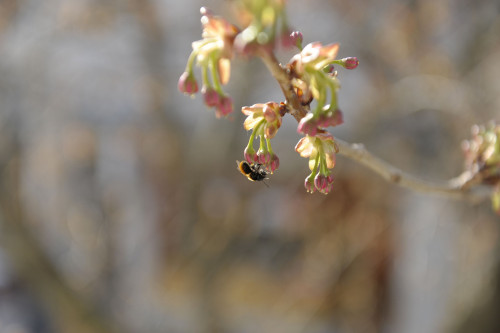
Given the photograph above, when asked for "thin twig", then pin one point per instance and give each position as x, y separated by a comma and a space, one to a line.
457, 188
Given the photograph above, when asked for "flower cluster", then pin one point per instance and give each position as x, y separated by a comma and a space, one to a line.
314, 77
213, 54
264, 120
320, 150
482, 157
265, 22
311, 73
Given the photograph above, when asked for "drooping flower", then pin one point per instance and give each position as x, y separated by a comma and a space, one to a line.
213, 55
314, 57
314, 77
264, 120
320, 150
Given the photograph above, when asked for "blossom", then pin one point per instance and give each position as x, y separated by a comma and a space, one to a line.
314, 57
320, 150
264, 120
213, 55
313, 78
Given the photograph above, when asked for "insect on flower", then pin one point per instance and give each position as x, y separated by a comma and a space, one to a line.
254, 171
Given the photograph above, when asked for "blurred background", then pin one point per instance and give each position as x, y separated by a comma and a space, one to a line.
121, 208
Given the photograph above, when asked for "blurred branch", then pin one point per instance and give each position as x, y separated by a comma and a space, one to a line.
458, 187
71, 312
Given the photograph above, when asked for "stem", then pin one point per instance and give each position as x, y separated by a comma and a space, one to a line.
215, 75
204, 76
284, 79
189, 65
457, 187
268, 141
316, 163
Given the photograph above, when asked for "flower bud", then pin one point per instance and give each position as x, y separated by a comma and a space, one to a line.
350, 62
263, 156
225, 106
250, 154
274, 163
320, 182
309, 184
210, 96
187, 83
296, 39
323, 183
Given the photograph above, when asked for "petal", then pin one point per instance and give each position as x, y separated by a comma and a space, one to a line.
256, 108
325, 137
270, 131
305, 147
251, 122
224, 69
329, 148
330, 51
310, 53
269, 114
330, 160
312, 162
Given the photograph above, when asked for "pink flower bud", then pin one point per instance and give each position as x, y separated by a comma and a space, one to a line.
210, 96
187, 83
350, 62
320, 182
263, 156
250, 155
309, 184
274, 163
226, 106
296, 39
323, 183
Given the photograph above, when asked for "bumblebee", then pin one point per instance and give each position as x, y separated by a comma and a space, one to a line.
254, 172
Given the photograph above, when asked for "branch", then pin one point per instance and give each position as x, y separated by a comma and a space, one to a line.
284, 79
457, 188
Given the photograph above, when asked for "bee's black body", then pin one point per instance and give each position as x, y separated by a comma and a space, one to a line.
254, 172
